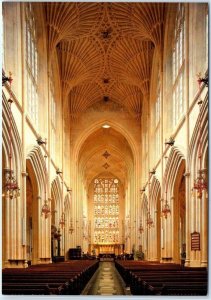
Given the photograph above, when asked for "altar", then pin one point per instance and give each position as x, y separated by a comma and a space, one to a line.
107, 249
106, 256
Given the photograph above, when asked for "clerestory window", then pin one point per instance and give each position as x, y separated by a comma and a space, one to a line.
31, 65
53, 120
178, 59
157, 121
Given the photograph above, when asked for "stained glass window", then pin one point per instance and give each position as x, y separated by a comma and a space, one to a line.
31, 65
106, 210
157, 121
207, 35
53, 119
178, 61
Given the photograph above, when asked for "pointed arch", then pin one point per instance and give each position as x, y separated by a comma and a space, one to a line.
199, 206
56, 194
155, 192
144, 209
155, 242
200, 133
67, 209
176, 158
37, 172
174, 193
17, 153
10, 219
67, 202
35, 161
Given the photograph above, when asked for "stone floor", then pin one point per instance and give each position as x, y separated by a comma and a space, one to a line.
106, 281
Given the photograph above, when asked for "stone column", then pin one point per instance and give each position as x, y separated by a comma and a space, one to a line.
204, 226
155, 237
187, 217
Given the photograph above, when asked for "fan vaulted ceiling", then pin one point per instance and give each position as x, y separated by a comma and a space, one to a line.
105, 51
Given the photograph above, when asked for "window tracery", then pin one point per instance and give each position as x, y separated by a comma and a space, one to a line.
157, 121
31, 65
207, 35
53, 119
106, 210
178, 57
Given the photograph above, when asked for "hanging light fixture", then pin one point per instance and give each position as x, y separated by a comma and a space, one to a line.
62, 221
71, 228
46, 209
11, 185
166, 209
200, 183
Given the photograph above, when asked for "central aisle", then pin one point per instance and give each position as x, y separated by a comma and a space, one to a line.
106, 281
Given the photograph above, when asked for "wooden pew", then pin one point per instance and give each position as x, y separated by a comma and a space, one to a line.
67, 278
163, 279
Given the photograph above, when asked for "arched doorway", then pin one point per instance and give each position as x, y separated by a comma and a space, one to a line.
31, 215
155, 230
4, 233
182, 219
179, 211
158, 226
173, 224
57, 233
53, 227
145, 234
38, 225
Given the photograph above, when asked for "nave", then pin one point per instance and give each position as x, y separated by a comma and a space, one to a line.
107, 278
105, 146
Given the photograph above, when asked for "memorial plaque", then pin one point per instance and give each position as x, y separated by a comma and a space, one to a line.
195, 241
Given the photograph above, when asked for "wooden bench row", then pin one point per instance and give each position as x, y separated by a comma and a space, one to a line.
163, 279
48, 279
125, 267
